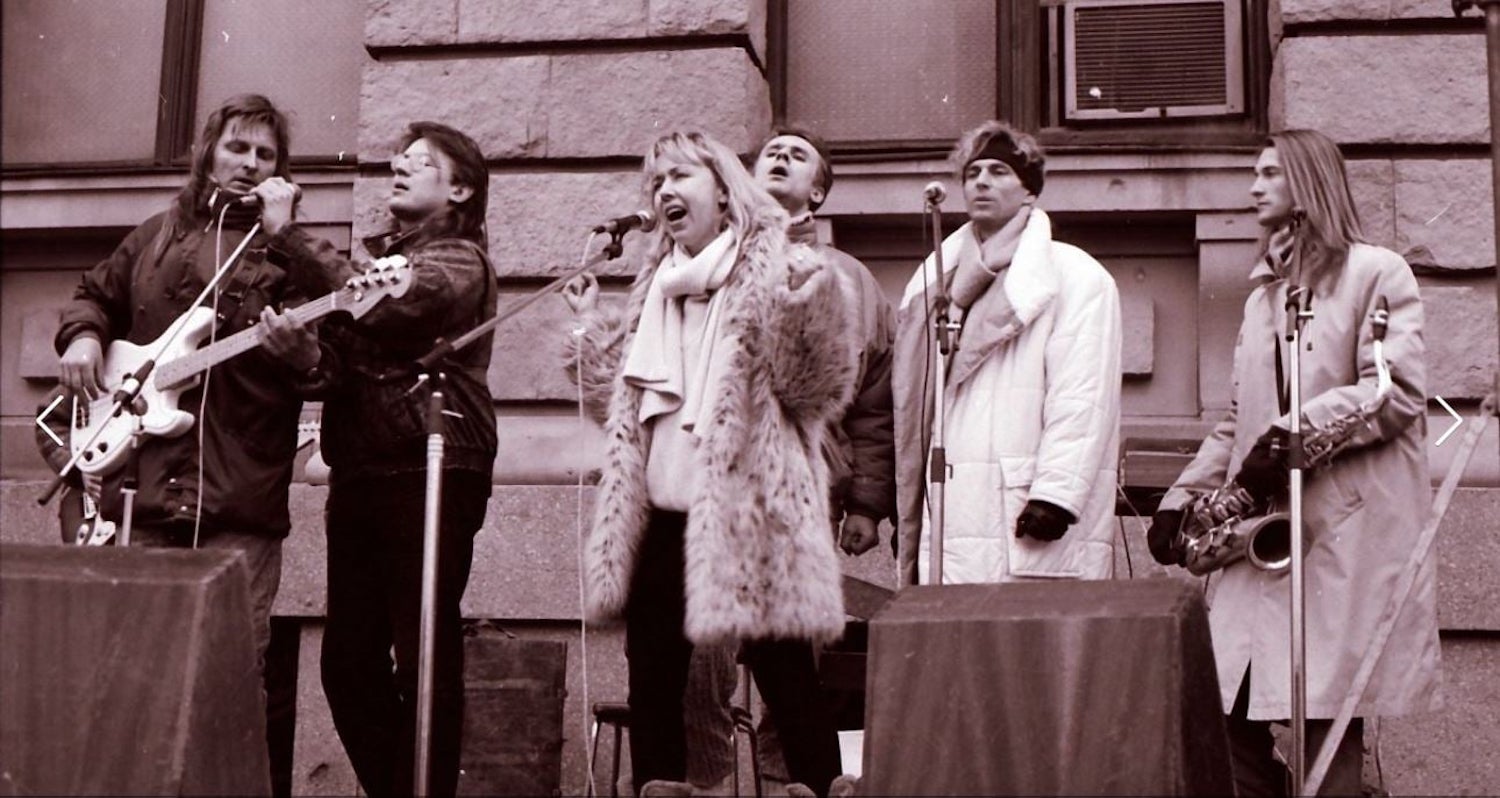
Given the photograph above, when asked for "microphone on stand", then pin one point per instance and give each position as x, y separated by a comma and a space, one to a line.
644, 220
934, 193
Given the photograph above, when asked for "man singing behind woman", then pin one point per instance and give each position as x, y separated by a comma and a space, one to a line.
711, 522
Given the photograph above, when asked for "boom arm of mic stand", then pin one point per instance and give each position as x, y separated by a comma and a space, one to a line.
430, 374
443, 348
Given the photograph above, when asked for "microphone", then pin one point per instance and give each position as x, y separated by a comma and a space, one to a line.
934, 193
645, 220
220, 197
254, 199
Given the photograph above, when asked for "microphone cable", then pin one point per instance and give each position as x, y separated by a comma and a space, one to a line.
213, 334
590, 730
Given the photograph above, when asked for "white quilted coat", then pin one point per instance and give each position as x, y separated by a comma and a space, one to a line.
1033, 411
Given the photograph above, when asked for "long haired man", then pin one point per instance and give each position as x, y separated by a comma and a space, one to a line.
1366, 485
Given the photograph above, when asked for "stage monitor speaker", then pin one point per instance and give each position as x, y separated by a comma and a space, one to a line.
128, 672
1044, 688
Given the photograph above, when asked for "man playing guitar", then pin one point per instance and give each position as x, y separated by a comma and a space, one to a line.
223, 483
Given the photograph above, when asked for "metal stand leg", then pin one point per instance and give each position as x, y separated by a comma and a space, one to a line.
616, 715
744, 721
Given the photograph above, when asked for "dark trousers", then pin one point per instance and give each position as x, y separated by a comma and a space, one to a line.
375, 531
1257, 772
659, 654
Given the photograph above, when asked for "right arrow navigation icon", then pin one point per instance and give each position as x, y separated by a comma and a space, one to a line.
1457, 420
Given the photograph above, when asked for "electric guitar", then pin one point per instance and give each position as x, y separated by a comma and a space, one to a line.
102, 440
95, 531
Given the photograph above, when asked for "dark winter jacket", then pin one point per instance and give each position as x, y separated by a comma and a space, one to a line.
374, 424
249, 423
860, 446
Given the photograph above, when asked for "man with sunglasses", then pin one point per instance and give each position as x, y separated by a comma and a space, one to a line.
375, 443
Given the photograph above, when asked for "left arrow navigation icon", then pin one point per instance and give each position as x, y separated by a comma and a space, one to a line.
48, 412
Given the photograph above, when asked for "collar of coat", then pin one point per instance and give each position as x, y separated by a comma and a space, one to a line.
752, 265
1017, 297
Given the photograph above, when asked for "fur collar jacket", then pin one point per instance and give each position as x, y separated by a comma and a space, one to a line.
760, 559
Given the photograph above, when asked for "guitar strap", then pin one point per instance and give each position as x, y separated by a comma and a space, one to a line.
232, 293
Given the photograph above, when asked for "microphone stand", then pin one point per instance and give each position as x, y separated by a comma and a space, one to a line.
428, 634
130, 485
1298, 312
937, 476
130, 389
428, 373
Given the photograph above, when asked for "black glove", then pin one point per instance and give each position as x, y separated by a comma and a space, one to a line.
1264, 473
1043, 521
1162, 537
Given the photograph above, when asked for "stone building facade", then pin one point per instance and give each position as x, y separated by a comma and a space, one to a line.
564, 97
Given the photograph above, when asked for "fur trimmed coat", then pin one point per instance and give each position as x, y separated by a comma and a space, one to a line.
760, 558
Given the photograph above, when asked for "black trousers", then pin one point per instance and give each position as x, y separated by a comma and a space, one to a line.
1257, 772
375, 531
658, 654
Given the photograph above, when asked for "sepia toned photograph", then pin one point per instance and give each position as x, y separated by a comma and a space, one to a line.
808, 398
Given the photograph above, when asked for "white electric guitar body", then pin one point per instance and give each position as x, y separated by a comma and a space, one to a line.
101, 440
95, 531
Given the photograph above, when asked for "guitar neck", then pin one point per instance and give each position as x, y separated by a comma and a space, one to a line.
199, 360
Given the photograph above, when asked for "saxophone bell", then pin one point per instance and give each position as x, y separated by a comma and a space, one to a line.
1268, 543
1228, 525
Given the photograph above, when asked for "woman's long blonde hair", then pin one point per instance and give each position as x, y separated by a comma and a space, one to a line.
746, 200
1319, 186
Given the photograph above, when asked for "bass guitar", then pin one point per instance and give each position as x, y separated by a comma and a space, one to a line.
101, 440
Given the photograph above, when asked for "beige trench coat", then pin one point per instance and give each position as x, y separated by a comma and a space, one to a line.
1363, 510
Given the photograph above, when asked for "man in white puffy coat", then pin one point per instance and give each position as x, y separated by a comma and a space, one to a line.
1032, 404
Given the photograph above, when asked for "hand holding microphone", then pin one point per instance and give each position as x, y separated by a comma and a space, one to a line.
276, 198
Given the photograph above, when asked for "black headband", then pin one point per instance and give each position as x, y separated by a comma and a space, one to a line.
1000, 148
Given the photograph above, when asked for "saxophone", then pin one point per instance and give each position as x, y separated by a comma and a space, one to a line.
1227, 525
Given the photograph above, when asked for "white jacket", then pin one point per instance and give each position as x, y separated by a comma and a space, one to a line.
1033, 412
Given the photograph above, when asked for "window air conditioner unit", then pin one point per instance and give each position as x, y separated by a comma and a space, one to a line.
1144, 59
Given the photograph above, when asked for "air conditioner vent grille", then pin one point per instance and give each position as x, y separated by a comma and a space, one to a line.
1168, 57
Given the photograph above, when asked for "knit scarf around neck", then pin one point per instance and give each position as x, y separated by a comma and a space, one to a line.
655, 363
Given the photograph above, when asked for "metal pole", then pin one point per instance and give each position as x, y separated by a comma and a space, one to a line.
938, 457
428, 634
1295, 317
